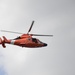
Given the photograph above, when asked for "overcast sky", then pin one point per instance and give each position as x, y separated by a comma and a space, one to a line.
55, 17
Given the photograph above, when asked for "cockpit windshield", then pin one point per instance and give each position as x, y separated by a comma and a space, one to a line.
39, 41
34, 40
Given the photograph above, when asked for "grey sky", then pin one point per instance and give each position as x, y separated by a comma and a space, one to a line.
51, 17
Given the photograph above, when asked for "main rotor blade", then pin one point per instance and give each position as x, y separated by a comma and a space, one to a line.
31, 26
10, 32
41, 35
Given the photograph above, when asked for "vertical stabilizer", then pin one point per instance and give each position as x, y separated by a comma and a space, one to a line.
0, 41
3, 43
5, 39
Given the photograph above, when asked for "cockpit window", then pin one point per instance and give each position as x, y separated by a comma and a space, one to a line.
34, 40
40, 42
29, 39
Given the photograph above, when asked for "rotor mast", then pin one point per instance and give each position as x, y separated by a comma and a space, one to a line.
30, 27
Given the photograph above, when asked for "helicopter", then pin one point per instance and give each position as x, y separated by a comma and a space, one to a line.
25, 40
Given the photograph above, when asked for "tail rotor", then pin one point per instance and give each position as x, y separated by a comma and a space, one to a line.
2, 42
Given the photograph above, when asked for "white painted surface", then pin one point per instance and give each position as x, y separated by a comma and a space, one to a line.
12, 42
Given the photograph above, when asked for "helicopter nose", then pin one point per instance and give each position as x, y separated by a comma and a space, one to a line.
45, 44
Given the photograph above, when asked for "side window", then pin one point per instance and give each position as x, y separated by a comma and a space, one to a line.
34, 40
29, 39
